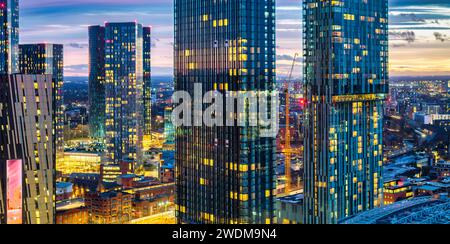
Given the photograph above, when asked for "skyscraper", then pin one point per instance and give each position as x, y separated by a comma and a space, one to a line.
9, 36
346, 77
47, 59
26, 132
119, 76
26, 120
224, 174
97, 82
124, 90
147, 34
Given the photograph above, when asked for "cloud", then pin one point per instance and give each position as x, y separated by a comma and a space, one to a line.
435, 21
78, 45
412, 23
76, 70
413, 17
61, 3
417, 2
154, 41
441, 37
398, 45
408, 36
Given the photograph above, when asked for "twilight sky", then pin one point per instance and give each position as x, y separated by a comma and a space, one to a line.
420, 31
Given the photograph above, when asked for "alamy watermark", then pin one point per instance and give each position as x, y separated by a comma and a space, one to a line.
233, 108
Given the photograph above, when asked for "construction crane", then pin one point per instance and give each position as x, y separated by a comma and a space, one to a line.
287, 137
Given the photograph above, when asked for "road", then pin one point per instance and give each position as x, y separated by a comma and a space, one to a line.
426, 141
162, 218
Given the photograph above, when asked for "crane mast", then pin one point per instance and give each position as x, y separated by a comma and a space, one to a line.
287, 136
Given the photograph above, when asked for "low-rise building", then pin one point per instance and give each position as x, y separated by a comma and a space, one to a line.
83, 183
64, 191
109, 207
152, 199
397, 193
289, 209
72, 212
443, 168
428, 190
79, 162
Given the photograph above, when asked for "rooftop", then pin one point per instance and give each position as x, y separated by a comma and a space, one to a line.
421, 210
111, 194
63, 184
69, 204
84, 175
398, 186
442, 163
429, 188
293, 199
128, 176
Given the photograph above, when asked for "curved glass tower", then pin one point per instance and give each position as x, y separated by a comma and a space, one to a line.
97, 82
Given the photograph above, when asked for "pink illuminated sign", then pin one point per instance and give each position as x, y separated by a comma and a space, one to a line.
14, 191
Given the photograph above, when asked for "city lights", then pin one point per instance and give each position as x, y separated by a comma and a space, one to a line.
248, 116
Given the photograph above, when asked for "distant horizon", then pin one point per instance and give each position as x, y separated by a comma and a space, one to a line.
419, 32
392, 76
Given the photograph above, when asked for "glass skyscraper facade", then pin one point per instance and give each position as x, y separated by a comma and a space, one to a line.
124, 92
47, 59
9, 36
224, 174
346, 77
97, 82
119, 83
147, 49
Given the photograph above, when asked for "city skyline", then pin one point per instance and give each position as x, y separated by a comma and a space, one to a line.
225, 143
414, 25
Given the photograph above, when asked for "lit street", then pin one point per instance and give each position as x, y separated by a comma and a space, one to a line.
162, 218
